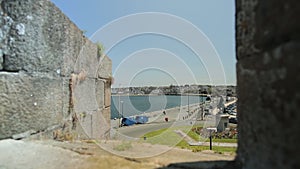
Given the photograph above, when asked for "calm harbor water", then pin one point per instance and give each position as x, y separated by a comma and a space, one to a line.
133, 105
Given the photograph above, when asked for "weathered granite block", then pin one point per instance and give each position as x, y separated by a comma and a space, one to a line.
89, 102
85, 99
39, 38
102, 125
1, 60
61, 65
107, 115
87, 60
107, 95
104, 69
100, 94
95, 125
268, 42
276, 23
32, 102
268, 114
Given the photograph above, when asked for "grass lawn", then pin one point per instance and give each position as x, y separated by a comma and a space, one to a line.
184, 145
163, 136
169, 137
224, 140
196, 137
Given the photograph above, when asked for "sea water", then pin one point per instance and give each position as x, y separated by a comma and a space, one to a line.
134, 105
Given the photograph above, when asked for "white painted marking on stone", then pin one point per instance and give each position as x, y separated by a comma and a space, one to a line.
58, 71
29, 17
11, 39
8, 20
20, 29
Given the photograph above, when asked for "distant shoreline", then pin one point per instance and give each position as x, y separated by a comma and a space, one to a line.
160, 95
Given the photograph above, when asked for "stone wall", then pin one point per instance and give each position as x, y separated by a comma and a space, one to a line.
51, 76
268, 43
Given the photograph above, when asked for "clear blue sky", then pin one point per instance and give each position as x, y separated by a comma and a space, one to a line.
214, 18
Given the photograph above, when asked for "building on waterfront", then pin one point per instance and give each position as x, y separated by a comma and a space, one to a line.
222, 121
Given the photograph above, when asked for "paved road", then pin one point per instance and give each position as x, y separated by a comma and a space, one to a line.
138, 131
175, 118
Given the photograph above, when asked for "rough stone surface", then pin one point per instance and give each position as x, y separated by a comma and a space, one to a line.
30, 102
277, 23
268, 83
24, 135
88, 61
107, 95
106, 115
49, 71
85, 96
103, 71
100, 92
1, 60
37, 37
95, 125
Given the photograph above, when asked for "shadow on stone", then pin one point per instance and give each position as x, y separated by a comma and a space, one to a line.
204, 165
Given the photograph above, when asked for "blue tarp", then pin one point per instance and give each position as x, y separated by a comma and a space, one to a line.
141, 119
128, 121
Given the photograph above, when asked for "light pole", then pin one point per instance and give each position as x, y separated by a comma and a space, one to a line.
119, 105
122, 108
188, 103
202, 108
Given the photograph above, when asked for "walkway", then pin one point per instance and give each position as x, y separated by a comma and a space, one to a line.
192, 142
80, 155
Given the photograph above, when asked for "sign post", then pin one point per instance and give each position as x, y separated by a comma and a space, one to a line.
212, 129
